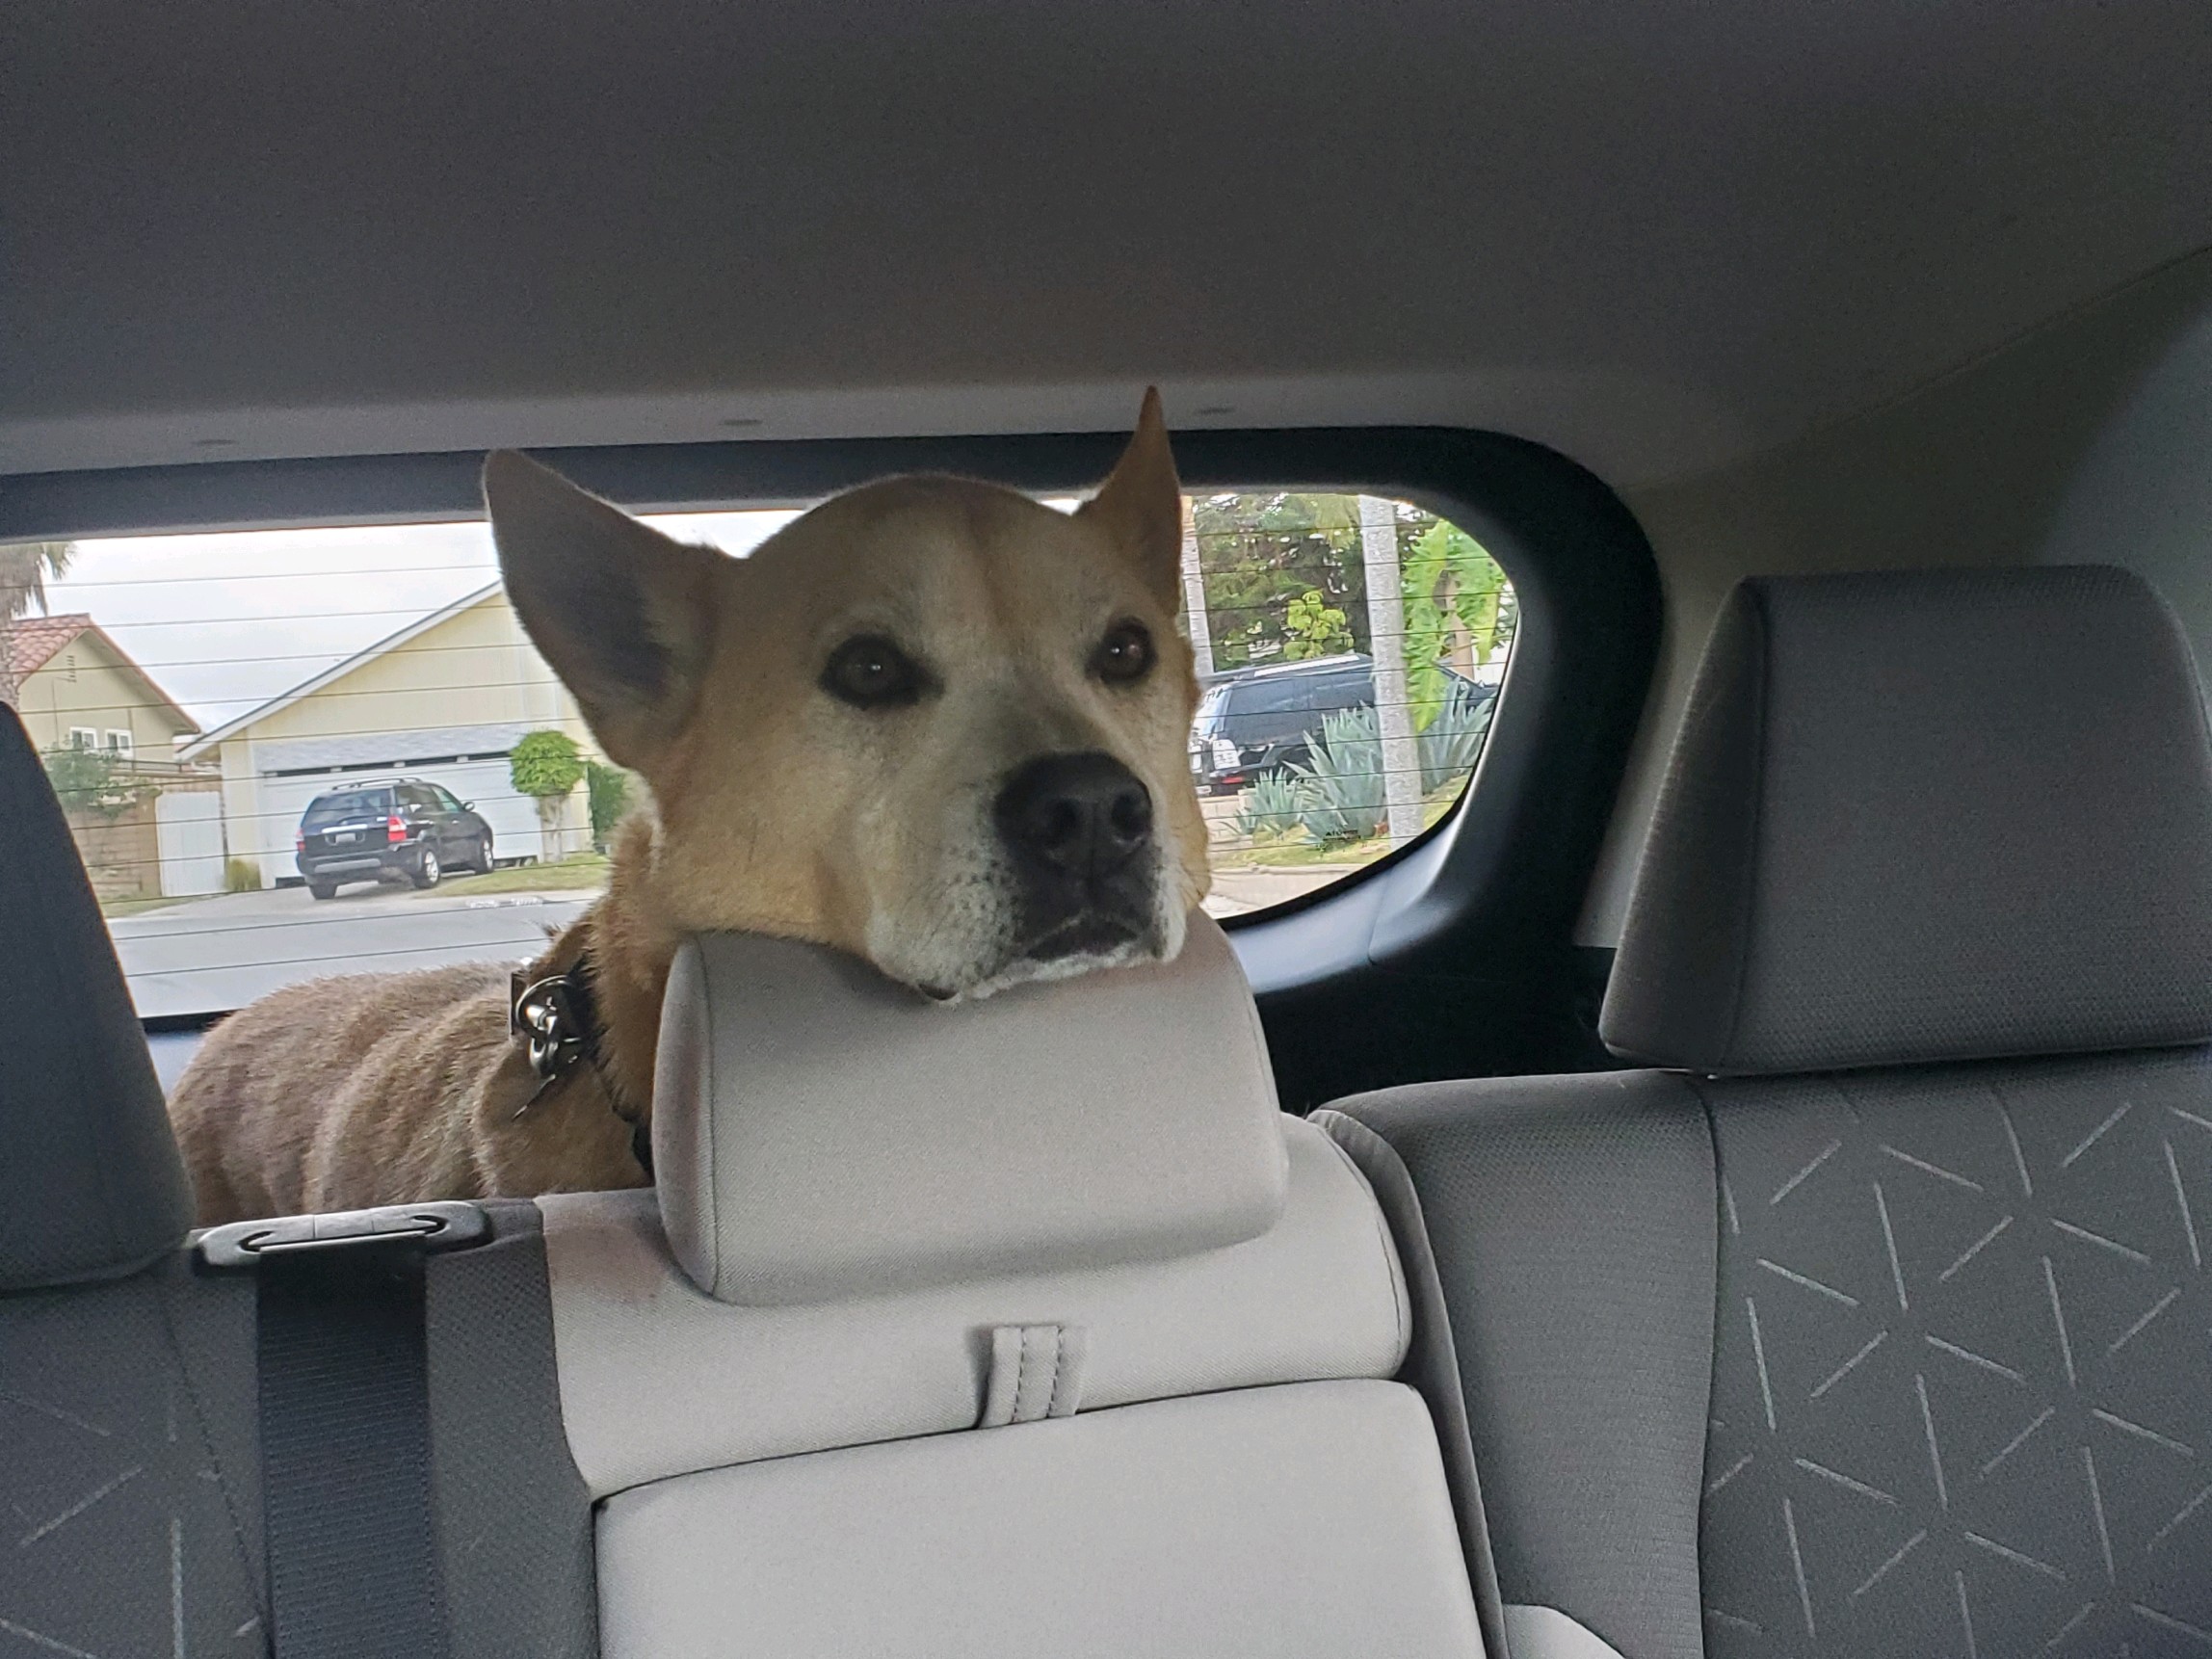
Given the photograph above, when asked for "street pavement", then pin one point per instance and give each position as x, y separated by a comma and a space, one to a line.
214, 954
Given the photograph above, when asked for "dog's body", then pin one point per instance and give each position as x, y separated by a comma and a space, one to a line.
930, 723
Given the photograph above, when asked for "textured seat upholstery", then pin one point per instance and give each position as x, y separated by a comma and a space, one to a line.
1023, 1327
1878, 1322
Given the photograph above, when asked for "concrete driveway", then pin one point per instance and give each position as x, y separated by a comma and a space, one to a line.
214, 954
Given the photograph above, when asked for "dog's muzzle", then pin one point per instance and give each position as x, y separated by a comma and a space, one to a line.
1078, 833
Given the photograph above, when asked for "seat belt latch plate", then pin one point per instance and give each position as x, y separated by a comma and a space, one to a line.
430, 1228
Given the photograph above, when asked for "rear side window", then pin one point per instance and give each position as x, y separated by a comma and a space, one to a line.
1350, 648
358, 803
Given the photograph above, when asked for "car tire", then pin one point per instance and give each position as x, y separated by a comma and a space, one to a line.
481, 863
321, 889
427, 871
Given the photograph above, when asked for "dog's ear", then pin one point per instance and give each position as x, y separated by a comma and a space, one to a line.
1141, 504
623, 614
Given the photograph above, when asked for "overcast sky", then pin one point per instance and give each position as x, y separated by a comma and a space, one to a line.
224, 623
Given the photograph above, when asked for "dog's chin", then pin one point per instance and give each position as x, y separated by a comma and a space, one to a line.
1079, 946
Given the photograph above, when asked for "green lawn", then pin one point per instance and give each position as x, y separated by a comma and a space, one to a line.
585, 870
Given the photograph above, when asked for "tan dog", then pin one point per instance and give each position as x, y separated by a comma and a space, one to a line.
931, 722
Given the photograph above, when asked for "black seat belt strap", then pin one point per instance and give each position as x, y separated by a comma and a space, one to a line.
344, 1386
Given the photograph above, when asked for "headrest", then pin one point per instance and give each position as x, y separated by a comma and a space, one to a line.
1927, 816
90, 1184
821, 1132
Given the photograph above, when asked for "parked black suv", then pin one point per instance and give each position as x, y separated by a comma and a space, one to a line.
375, 831
1252, 719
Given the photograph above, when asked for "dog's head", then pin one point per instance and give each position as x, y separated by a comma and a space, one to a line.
932, 722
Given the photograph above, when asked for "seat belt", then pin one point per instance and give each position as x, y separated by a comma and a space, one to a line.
343, 1365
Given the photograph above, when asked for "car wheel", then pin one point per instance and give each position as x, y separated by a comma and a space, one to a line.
481, 862
322, 889
427, 871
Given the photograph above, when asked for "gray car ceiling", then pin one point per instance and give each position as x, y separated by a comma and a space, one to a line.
1656, 235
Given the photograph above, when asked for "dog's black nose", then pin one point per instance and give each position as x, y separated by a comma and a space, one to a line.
1082, 815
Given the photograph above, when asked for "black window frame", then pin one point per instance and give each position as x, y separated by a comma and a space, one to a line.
1455, 956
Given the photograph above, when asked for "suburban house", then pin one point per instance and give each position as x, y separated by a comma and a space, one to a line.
161, 834
444, 699
76, 689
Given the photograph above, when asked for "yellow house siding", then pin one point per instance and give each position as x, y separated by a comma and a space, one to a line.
476, 667
83, 685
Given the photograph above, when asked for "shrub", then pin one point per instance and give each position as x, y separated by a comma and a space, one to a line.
1270, 805
609, 787
1453, 741
241, 876
1340, 787
90, 780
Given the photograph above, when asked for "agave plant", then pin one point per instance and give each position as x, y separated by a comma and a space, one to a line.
1453, 741
1340, 787
1269, 808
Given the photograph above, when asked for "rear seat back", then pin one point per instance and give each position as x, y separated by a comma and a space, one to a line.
1132, 1368
1880, 1322
1024, 1327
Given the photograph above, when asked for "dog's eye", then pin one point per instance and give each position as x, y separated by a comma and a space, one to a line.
872, 673
1124, 655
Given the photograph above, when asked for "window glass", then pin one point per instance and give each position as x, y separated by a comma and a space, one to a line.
206, 703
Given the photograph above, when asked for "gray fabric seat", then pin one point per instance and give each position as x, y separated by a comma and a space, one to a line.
1878, 1321
129, 1473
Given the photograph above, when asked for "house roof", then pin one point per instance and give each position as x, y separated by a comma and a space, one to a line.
34, 641
308, 687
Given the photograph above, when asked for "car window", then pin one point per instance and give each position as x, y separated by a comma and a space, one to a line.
351, 805
271, 682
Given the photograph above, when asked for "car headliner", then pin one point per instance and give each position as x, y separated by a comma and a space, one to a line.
1660, 237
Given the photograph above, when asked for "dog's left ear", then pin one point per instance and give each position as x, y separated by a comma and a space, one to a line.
1141, 504
623, 613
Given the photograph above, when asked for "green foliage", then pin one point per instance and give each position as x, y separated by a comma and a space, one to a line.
240, 876
25, 569
1338, 795
1261, 553
1315, 628
1453, 742
609, 787
89, 780
1269, 806
545, 765
1454, 591
1340, 786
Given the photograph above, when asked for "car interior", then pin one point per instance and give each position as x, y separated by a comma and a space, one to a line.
1698, 1147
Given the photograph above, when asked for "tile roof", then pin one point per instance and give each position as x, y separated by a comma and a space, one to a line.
33, 641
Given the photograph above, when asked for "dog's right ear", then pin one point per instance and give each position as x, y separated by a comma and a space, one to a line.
623, 613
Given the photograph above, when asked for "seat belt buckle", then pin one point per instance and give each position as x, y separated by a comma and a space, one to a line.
430, 1230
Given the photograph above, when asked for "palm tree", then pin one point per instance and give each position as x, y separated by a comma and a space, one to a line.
25, 569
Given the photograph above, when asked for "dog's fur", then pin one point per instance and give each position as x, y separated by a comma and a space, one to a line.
776, 807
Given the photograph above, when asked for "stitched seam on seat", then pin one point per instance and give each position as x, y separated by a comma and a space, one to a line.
1401, 1312
1747, 900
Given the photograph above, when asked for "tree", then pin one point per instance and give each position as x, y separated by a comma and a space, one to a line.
609, 789
546, 765
25, 569
1314, 628
1454, 591
88, 780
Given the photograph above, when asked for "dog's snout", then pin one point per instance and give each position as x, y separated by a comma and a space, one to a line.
1080, 815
